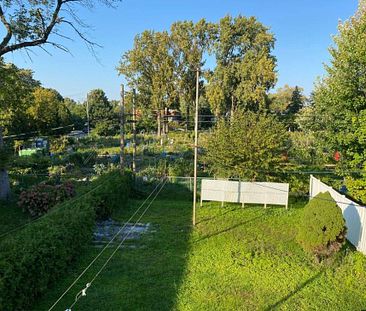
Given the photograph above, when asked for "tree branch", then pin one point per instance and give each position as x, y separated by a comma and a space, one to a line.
9, 32
43, 39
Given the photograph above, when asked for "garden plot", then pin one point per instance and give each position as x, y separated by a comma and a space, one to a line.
130, 232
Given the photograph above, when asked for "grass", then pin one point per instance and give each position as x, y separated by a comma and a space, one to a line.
234, 259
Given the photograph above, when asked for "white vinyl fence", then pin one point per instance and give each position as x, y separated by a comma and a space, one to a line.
244, 192
353, 213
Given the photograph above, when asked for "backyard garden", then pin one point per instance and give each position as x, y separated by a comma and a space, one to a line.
96, 194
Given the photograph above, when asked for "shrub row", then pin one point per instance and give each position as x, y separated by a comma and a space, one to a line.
36, 256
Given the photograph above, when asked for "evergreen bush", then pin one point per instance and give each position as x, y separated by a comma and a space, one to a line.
322, 228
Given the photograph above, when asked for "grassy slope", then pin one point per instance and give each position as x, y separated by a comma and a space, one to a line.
235, 259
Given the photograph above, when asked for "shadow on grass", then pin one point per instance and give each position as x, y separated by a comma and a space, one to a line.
228, 229
144, 277
294, 292
217, 216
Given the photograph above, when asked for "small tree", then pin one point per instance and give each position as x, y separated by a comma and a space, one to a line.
248, 146
322, 230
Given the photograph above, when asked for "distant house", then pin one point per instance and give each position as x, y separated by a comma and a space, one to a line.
173, 115
76, 134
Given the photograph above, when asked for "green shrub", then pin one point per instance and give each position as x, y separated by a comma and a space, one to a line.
112, 191
82, 158
38, 255
356, 188
180, 167
322, 227
34, 164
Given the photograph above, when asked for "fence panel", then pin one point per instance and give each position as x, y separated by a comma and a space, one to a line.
244, 192
353, 213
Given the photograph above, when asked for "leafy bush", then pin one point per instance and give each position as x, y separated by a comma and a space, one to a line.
39, 199
181, 167
356, 188
249, 146
34, 164
82, 158
112, 191
60, 144
38, 255
35, 257
322, 227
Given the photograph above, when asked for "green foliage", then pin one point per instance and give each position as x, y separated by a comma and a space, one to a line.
181, 167
248, 146
48, 110
34, 258
16, 89
32, 164
286, 103
306, 149
356, 188
37, 256
112, 192
322, 227
59, 145
245, 69
101, 112
339, 98
39, 199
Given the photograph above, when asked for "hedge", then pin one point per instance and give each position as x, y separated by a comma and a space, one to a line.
38, 255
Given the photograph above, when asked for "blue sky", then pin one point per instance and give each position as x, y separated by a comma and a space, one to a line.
303, 30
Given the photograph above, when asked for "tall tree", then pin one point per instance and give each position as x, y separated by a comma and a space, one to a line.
286, 103
16, 90
102, 116
15, 95
78, 113
149, 68
48, 110
190, 42
245, 67
340, 98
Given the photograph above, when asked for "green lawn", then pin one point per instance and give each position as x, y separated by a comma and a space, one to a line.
235, 259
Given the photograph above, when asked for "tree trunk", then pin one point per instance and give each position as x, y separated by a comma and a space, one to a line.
159, 123
166, 125
187, 118
4, 177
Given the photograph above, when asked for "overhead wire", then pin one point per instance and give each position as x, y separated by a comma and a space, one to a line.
112, 239
83, 291
56, 207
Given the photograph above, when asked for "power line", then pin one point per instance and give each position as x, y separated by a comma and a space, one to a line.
38, 132
113, 238
83, 291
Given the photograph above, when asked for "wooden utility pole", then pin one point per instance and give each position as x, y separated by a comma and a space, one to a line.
87, 114
134, 130
122, 129
195, 148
